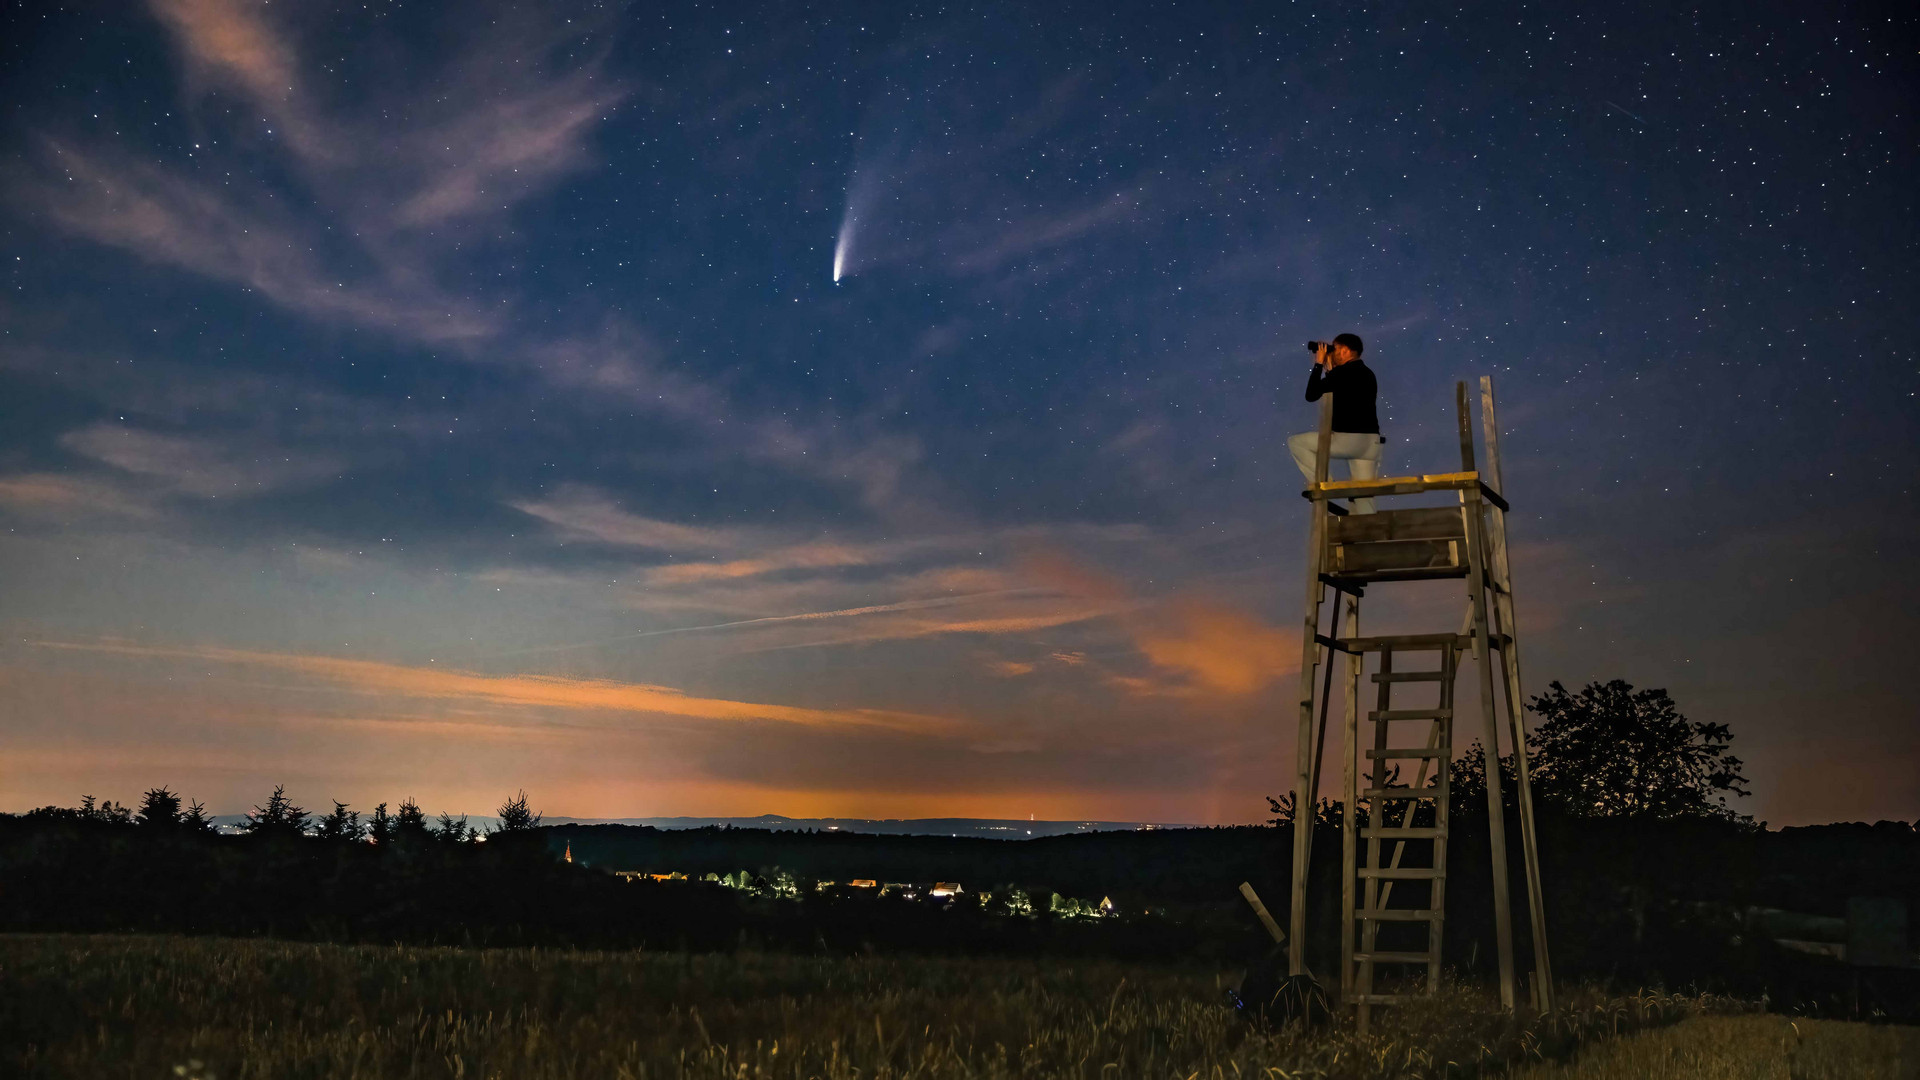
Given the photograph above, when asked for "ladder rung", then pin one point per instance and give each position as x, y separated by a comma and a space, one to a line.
1408, 642
1394, 914
1401, 793
1378, 715
1402, 872
1408, 676
1377, 957
1415, 833
1410, 751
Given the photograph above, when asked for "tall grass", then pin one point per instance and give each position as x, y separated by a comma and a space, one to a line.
1747, 1048
226, 1009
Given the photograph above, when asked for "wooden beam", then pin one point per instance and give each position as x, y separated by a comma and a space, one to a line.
1425, 573
1401, 915
1502, 576
1383, 715
1406, 642
1490, 737
1393, 485
1349, 743
1415, 523
1260, 909
1396, 555
1378, 956
1303, 795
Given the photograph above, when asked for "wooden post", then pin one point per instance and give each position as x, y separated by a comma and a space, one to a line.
1437, 897
1490, 732
1376, 890
1350, 740
1303, 796
1260, 909
1516, 712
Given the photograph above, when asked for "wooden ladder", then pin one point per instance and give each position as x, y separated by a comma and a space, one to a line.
1395, 813
1346, 555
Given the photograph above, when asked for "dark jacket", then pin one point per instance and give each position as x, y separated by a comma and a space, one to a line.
1354, 389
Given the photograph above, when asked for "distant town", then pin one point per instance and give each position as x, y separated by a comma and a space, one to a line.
778, 884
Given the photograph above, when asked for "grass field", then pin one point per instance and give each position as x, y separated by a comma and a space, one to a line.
156, 1007
1746, 1048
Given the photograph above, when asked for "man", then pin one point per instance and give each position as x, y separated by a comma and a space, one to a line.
1337, 370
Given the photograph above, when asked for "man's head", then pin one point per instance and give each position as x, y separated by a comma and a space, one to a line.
1347, 347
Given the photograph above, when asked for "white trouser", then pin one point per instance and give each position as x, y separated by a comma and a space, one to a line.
1360, 450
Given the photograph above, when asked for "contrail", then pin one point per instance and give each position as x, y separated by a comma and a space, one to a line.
1623, 109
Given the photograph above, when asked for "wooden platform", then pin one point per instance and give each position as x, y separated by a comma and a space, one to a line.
1422, 543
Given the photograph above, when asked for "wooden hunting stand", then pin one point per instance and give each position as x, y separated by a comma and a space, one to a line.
1347, 553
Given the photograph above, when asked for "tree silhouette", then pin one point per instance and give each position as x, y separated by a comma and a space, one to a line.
453, 830
279, 817
197, 819
1468, 782
516, 817
342, 825
380, 826
410, 822
159, 808
110, 812
1613, 751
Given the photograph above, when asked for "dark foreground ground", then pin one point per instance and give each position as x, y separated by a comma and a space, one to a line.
154, 1006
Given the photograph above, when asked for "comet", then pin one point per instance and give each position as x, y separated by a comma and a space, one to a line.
843, 246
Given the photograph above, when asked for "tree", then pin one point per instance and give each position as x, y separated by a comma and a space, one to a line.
453, 830
1613, 751
109, 812
159, 808
196, 819
516, 817
342, 825
279, 817
1468, 782
1325, 812
380, 826
409, 822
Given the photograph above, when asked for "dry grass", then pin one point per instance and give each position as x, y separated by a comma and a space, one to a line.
1747, 1048
236, 1010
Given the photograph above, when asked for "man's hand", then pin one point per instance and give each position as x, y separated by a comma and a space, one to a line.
1323, 356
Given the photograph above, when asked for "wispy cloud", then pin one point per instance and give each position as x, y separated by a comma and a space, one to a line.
499, 130
1040, 231
582, 512
801, 557
169, 218
369, 214
1217, 648
1193, 645
57, 494
233, 43
503, 150
195, 466
570, 695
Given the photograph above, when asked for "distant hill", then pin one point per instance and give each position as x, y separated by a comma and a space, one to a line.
976, 828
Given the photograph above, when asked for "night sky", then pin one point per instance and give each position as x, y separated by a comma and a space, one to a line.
441, 400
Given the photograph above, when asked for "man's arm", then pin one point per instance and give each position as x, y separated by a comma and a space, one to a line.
1316, 384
